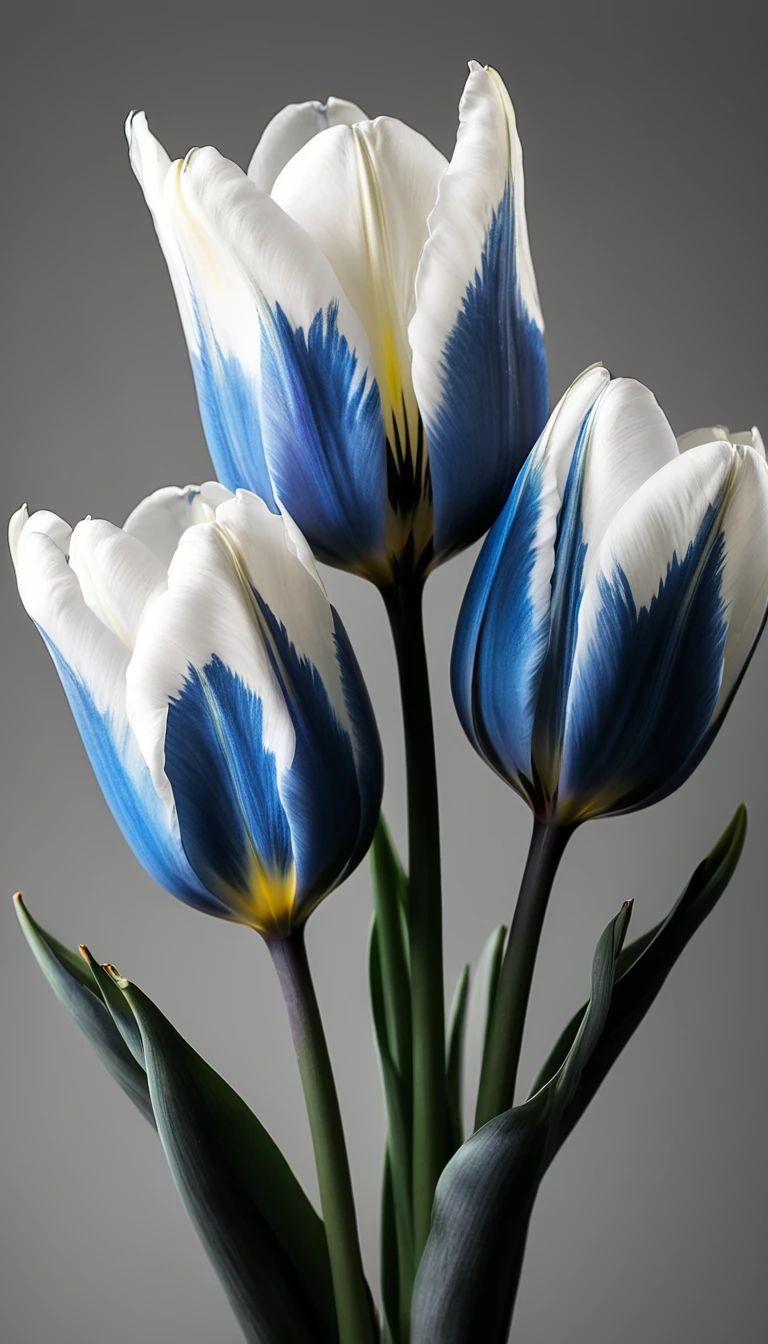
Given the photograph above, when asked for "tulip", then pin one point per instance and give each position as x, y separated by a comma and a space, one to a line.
216, 694
610, 617
228, 724
362, 320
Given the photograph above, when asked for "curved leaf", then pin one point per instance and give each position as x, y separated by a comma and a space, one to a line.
259, 1229
455, 1058
467, 1281
73, 985
261, 1232
644, 966
390, 990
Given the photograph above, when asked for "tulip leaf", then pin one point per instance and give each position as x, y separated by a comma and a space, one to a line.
494, 952
390, 897
74, 987
106, 978
263, 1236
455, 1058
644, 966
261, 1232
390, 989
397, 1250
467, 1281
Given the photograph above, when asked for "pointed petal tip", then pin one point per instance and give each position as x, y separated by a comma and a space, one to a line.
136, 118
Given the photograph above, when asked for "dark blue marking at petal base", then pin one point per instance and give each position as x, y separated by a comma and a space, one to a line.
229, 411
130, 794
648, 693
496, 394
512, 636
323, 436
321, 791
224, 780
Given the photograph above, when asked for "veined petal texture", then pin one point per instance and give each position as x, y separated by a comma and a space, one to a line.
252, 715
666, 629
615, 604
281, 361
217, 696
479, 365
504, 632
92, 660
363, 322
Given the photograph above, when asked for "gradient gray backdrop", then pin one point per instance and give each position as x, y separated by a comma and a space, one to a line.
644, 128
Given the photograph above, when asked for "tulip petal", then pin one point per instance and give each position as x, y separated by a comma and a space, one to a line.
224, 781
695, 438
282, 362
332, 791
479, 366
652, 634
290, 130
118, 575
745, 570
236, 666
161, 519
624, 440
503, 630
363, 193
331, 799
92, 662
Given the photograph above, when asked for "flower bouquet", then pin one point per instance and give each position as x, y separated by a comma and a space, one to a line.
367, 346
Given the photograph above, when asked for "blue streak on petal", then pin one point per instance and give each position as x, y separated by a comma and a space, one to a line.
320, 792
496, 394
501, 636
130, 794
224, 781
644, 701
229, 410
324, 437
512, 643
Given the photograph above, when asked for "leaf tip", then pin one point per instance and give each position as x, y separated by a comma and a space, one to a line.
115, 975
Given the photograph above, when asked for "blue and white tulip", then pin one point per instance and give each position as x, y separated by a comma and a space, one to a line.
615, 604
363, 322
217, 696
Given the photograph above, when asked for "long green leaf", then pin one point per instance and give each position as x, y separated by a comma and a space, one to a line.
643, 968
390, 989
261, 1232
397, 1221
455, 1061
467, 1281
73, 985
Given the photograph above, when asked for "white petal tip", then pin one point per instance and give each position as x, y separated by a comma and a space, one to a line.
15, 529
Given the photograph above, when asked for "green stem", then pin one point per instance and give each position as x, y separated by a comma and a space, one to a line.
505, 1037
352, 1303
425, 922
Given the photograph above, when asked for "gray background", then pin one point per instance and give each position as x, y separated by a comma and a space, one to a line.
644, 129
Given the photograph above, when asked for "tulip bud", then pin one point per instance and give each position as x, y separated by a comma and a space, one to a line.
216, 694
363, 322
615, 604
